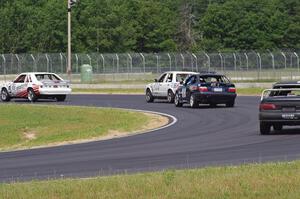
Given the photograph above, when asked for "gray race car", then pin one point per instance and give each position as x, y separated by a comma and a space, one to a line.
280, 106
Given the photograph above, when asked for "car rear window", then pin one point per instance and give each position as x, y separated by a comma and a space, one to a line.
51, 77
285, 93
180, 76
209, 79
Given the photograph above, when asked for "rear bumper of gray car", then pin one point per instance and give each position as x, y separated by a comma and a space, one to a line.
284, 118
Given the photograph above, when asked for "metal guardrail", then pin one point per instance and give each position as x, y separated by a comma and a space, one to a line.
239, 65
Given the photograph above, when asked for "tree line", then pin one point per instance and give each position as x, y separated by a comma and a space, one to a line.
116, 26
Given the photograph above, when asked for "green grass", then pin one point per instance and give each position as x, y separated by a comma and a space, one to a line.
267, 181
250, 91
53, 124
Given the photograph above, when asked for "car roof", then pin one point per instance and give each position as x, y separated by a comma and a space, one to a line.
182, 72
287, 84
36, 73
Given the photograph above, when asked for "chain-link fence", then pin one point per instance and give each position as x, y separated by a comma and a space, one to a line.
241, 66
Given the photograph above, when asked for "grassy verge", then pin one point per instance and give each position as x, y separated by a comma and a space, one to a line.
267, 181
25, 126
250, 91
240, 91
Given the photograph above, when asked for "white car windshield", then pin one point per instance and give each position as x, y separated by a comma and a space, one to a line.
46, 77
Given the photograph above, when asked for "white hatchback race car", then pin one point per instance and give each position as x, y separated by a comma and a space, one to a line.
166, 85
36, 86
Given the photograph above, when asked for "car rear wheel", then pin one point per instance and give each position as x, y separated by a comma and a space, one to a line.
60, 98
230, 104
193, 102
171, 96
149, 96
32, 97
4, 95
277, 127
177, 101
265, 128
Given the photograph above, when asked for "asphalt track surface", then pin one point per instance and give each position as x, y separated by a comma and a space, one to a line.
201, 137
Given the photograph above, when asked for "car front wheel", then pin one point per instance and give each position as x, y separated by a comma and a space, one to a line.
149, 96
265, 128
4, 95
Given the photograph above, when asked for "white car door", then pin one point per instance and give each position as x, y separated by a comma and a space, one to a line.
166, 84
157, 85
19, 86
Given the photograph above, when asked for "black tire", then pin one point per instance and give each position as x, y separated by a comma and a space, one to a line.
60, 98
230, 104
171, 96
265, 128
31, 96
193, 102
277, 127
177, 101
149, 96
4, 95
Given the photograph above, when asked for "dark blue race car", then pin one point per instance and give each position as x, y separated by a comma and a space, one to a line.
205, 88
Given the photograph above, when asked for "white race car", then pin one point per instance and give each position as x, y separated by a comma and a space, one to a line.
166, 85
36, 85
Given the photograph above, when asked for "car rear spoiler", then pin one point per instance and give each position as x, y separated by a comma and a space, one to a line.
263, 95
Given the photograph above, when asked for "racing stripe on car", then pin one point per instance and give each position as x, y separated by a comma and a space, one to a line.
22, 93
36, 90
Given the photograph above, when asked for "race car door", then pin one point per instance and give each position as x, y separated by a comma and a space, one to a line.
165, 85
19, 86
157, 85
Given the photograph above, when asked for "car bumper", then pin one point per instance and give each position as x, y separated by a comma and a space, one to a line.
55, 91
217, 98
280, 117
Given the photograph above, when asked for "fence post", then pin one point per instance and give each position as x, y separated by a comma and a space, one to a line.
247, 61
284, 56
117, 56
4, 67
157, 62
221, 58
144, 61
61, 62
182, 57
90, 59
170, 61
103, 62
234, 57
297, 60
34, 61
47, 58
208, 60
259, 63
19, 68
130, 58
196, 62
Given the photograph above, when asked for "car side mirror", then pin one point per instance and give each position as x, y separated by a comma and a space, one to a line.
155, 80
181, 82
